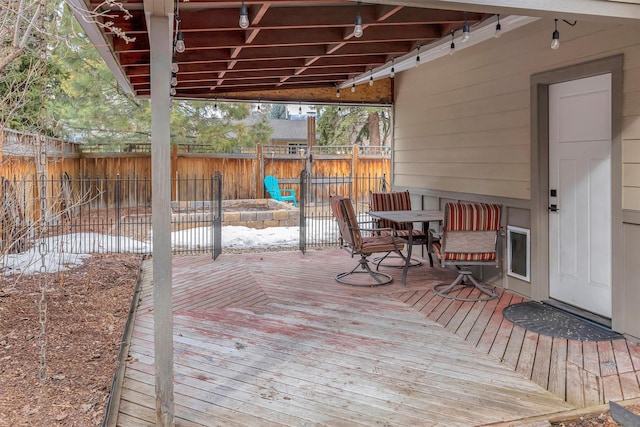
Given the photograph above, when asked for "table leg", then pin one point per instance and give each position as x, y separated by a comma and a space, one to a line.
408, 261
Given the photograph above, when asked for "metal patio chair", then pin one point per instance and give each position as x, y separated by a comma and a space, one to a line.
469, 237
353, 241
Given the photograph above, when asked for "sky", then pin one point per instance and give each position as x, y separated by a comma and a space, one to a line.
70, 250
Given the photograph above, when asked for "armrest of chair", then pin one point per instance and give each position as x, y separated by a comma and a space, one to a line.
291, 192
432, 237
373, 229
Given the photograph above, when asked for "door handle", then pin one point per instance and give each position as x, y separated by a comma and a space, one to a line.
553, 208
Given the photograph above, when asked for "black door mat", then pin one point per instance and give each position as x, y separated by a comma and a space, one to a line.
547, 320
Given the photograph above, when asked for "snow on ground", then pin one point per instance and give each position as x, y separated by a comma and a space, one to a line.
63, 252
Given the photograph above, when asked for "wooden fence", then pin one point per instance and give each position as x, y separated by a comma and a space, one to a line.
242, 173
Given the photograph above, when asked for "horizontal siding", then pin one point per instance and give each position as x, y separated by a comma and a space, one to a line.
461, 120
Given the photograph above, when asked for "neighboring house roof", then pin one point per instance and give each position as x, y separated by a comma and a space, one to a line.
284, 129
288, 130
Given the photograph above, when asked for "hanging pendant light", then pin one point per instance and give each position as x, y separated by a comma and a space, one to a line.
357, 29
452, 48
466, 34
244, 16
555, 37
180, 47
498, 29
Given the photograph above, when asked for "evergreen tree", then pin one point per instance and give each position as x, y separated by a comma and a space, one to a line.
353, 125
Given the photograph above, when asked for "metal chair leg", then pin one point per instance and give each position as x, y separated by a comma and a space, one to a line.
463, 275
363, 264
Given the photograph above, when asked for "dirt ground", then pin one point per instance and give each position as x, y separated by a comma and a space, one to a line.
87, 309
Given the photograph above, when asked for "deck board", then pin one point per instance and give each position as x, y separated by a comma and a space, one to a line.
259, 344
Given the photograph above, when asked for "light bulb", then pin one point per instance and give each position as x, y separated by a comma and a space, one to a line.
555, 40
338, 93
357, 29
300, 110
498, 32
180, 47
172, 91
174, 66
353, 87
174, 79
392, 74
452, 49
371, 81
466, 35
244, 16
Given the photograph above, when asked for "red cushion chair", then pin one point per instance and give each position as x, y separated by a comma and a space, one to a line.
352, 240
469, 237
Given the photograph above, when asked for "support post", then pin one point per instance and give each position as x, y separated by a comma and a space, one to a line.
161, 47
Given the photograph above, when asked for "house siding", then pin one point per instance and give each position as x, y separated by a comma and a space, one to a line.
462, 122
463, 131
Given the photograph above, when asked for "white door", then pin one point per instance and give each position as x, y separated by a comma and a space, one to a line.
580, 193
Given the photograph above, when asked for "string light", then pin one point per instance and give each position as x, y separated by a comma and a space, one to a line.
174, 65
357, 29
392, 74
417, 56
353, 85
555, 37
452, 48
172, 91
174, 79
180, 47
337, 92
371, 78
466, 34
498, 29
244, 16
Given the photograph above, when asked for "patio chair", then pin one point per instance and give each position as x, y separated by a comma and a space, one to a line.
272, 186
398, 201
469, 237
353, 241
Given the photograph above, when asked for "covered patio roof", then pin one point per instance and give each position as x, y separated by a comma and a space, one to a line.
301, 50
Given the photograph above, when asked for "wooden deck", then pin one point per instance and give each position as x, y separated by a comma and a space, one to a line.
270, 339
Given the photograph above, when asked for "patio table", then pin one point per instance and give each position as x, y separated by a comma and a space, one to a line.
409, 218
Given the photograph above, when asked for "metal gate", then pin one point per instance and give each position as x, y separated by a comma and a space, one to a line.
317, 226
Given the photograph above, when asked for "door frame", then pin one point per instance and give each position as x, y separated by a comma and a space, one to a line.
539, 85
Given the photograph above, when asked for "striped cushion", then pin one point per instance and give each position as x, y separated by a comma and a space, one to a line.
470, 217
342, 209
334, 202
394, 201
378, 244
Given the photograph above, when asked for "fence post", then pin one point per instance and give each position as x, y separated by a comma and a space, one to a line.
217, 225
354, 170
302, 244
259, 172
118, 196
174, 169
